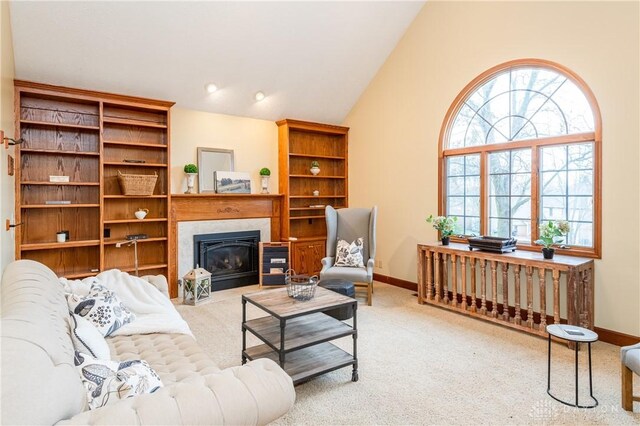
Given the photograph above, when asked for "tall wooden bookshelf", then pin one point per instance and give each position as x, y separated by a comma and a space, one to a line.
300, 143
89, 136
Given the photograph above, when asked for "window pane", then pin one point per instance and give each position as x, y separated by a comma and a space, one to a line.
463, 192
521, 207
472, 206
455, 186
472, 165
521, 229
580, 182
581, 209
499, 228
455, 166
521, 184
554, 183
499, 162
554, 158
455, 206
472, 225
581, 156
580, 234
521, 161
499, 184
553, 208
499, 207
472, 185
518, 104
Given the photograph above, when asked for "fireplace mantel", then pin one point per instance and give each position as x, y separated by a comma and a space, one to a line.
192, 207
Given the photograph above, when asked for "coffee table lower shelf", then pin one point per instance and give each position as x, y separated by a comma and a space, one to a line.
305, 364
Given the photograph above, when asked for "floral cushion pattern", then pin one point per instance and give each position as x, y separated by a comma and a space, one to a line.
107, 382
87, 338
102, 308
350, 255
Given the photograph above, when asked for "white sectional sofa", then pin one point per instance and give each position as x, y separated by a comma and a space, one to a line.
41, 385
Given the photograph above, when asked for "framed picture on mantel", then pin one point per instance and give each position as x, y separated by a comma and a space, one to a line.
211, 160
233, 182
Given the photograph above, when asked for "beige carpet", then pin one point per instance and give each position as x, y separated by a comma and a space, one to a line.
424, 365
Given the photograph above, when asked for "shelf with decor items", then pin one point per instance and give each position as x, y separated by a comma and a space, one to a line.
306, 194
87, 136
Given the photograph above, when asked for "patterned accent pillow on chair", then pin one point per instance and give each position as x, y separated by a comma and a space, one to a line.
107, 382
102, 308
350, 255
87, 338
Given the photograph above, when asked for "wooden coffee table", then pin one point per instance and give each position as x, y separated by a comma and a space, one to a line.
298, 335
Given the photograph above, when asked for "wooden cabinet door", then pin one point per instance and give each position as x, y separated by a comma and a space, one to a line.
307, 256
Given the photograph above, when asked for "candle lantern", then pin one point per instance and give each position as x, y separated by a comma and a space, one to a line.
196, 286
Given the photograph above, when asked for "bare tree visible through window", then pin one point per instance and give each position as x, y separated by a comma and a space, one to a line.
522, 105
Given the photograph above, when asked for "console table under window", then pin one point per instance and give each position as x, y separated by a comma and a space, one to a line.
471, 282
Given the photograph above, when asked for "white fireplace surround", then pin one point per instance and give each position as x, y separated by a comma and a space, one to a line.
186, 231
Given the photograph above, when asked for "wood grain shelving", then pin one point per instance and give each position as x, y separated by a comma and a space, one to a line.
125, 164
132, 122
300, 143
60, 183
56, 245
145, 220
86, 135
58, 206
134, 144
59, 152
63, 125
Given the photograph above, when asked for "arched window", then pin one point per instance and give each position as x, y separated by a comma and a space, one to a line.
519, 146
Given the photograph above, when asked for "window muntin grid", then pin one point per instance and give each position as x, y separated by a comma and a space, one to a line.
521, 103
509, 184
463, 192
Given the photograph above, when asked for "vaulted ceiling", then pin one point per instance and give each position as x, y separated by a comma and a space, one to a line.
311, 59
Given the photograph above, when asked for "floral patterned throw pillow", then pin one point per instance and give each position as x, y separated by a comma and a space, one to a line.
350, 255
107, 382
102, 308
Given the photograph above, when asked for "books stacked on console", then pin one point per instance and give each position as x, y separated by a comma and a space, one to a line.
493, 244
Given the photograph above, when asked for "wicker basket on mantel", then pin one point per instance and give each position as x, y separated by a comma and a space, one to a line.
137, 184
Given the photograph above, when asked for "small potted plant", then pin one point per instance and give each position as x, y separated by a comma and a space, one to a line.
315, 167
264, 179
446, 226
191, 170
550, 234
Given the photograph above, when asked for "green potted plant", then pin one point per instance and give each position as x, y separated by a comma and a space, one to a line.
264, 178
550, 234
445, 225
191, 170
315, 167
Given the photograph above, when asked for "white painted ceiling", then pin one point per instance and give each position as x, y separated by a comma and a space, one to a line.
313, 60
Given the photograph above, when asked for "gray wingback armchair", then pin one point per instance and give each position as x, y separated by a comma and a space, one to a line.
630, 357
349, 224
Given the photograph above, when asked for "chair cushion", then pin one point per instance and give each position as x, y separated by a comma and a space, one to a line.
175, 357
631, 359
346, 273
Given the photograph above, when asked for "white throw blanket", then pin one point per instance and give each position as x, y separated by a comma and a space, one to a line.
154, 311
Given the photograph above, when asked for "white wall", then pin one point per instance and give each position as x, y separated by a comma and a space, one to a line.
7, 124
395, 124
255, 144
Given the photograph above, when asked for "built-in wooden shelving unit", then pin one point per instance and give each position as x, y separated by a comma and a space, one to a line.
300, 143
88, 136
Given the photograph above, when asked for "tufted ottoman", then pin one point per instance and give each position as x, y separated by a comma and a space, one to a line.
345, 288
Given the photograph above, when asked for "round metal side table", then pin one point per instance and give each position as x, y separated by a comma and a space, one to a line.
578, 335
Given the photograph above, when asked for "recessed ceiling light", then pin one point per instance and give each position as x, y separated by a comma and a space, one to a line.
259, 96
211, 88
